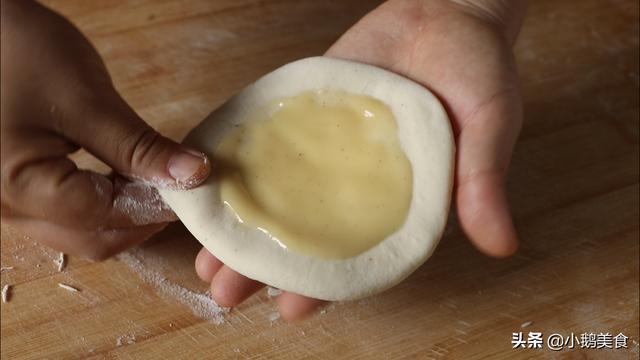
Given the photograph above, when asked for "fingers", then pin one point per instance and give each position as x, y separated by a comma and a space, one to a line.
95, 245
296, 307
485, 145
62, 98
79, 102
134, 149
484, 215
54, 189
229, 288
207, 265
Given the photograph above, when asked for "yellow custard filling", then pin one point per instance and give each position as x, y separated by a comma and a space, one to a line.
322, 172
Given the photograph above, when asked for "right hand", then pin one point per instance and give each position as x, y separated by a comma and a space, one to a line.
461, 50
57, 97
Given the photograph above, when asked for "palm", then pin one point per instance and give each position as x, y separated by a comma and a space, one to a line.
468, 64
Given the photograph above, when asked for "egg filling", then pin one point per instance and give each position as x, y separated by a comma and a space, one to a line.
323, 173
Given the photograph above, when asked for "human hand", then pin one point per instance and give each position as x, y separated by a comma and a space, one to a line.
57, 97
461, 51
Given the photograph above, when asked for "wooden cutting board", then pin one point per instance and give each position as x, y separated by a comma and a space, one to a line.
573, 188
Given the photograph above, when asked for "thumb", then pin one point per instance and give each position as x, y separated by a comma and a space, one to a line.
485, 146
120, 138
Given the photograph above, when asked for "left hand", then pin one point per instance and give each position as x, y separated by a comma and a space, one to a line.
57, 97
460, 50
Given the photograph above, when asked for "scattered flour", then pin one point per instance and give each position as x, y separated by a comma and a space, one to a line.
274, 316
60, 262
201, 304
125, 340
6, 293
68, 287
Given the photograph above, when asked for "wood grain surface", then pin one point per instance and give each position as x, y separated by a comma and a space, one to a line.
573, 188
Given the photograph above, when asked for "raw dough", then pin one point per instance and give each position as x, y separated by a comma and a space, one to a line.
426, 138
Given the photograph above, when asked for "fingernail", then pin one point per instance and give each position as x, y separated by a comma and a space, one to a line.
187, 168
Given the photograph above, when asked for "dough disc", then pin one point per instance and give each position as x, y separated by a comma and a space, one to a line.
426, 138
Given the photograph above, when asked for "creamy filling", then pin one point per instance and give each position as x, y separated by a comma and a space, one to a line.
323, 173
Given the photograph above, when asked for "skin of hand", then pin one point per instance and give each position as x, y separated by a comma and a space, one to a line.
461, 51
57, 97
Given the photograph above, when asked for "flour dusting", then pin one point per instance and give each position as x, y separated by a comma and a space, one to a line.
6, 293
125, 340
61, 261
68, 287
201, 304
274, 316
142, 203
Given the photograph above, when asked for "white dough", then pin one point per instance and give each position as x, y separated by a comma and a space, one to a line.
425, 136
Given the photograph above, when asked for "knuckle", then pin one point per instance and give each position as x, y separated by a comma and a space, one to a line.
99, 248
99, 254
141, 149
12, 182
7, 179
75, 194
83, 199
105, 243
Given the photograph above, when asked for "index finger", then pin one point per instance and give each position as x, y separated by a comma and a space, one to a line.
54, 189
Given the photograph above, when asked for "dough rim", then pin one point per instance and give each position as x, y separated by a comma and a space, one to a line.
252, 253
